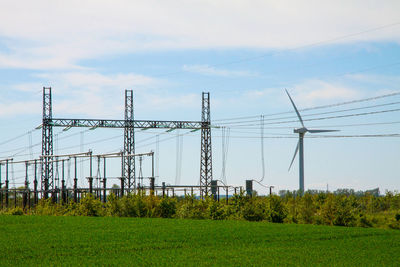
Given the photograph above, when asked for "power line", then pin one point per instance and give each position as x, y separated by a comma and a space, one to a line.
322, 118
320, 136
320, 113
317, 107
324, 126
17, 137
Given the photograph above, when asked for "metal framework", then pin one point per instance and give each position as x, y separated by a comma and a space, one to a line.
47, 177
206, 150
141, 124
129, 142
128, 124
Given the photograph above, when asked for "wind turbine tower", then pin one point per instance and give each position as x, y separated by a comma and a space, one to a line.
300, 145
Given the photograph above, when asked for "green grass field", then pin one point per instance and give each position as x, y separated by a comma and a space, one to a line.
41, 240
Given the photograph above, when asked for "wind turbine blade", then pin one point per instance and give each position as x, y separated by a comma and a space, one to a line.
322, 131
294, 156
298, 114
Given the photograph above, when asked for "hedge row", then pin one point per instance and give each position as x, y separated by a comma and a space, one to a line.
321, 208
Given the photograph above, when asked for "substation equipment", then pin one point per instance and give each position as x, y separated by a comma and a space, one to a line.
50, 183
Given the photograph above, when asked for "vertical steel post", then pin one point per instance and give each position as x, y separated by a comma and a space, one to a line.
63, 189
75, 182
214, 185
104, 182
206, 155
249, 187
129, 142
1, 189
227, 195
35, 184
25, 194
90, 163
151, 186
122, 186
47, 143
90, 179
7, 182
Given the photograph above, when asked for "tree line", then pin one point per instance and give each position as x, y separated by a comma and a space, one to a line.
343, 208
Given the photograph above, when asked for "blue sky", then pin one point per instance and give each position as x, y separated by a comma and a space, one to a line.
245, 53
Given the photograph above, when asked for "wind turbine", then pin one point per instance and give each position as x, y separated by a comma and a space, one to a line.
300, 145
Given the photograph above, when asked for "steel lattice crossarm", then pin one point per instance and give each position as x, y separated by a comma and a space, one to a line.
143, 124
128, 124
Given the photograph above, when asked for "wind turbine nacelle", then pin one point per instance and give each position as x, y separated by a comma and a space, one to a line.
300, 130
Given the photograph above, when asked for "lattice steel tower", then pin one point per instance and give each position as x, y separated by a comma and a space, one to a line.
129, 142
47, 143
205, 159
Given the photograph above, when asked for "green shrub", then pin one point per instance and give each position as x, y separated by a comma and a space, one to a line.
216, 211
89, 206
344, 213
364, 210
364, 221
328, 210
193, 210
113, 206
277, 211
253, 211
394, 225
47, 207
167, 207
15, 211
307, 209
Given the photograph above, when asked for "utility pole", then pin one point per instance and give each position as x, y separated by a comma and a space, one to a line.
47, 143
129, 142
206, 149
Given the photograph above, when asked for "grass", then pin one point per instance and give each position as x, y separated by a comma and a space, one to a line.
67, 241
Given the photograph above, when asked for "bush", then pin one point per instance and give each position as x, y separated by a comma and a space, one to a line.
328, 210
277, 211
15, 211
113, 206
167, 207
344, 214
47, 207
364, 221
216, 211
364, 210
307, 209
89, 206
253, 211
193, 210
394, 225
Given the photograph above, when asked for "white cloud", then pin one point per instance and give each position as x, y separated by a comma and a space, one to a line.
19, 108
212, 71
376, 79
91, 94
156, 102
317, 92
46, 34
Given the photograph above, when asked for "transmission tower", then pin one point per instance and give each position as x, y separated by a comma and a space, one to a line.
206, 159
128, 124
47, 143
129, 142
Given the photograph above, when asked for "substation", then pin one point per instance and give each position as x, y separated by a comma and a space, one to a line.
49, 183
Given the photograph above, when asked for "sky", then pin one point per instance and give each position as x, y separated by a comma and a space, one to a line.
245, 53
